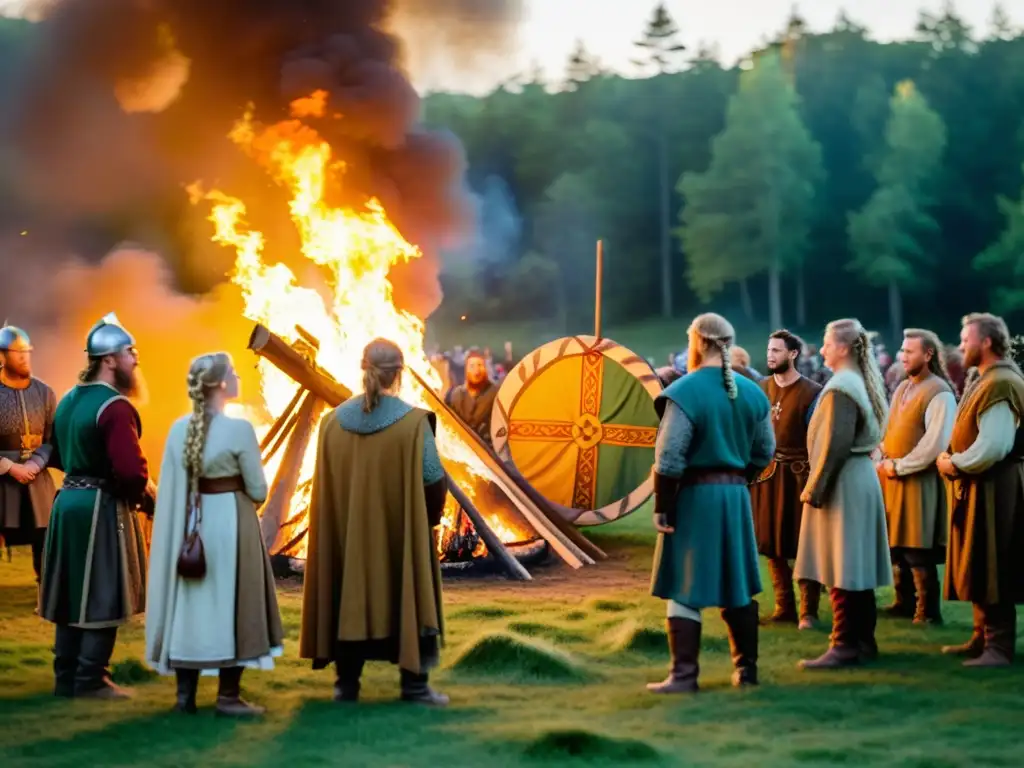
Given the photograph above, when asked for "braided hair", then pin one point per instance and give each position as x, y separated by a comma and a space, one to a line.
850, 333
382, 365
207, 373
712, 331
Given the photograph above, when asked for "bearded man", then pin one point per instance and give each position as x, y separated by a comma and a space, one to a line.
94, 568
920, 424
776, 493
473, 401
27, 406
985, 464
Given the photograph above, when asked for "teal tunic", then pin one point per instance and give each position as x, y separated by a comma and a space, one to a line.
94, 567
711, 559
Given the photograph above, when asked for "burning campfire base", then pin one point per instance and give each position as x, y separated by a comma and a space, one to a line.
528, 530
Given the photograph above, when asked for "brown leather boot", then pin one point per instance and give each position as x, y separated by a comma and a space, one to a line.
188, 685
348, 671
929, 602
684, 645
843, 644
810, 599
972, 648
229, 695
1000, 637
903, 593
742, 624
865, 622
92, 680
785, 600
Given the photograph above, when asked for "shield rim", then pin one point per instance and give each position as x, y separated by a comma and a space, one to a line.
538, 361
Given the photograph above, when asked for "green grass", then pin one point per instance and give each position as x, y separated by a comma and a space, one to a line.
547, 673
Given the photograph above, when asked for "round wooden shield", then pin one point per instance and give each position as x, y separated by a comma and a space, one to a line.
576, 417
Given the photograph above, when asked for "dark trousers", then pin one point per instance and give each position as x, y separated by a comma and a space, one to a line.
81, 659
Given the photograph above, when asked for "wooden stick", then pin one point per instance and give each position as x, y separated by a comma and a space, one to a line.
495, 547
598, 283
542, 524
510, 475
283, 419
283, 490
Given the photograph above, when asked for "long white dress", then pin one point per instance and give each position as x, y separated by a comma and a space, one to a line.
195, 623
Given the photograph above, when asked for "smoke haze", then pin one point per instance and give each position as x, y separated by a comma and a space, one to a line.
127, 101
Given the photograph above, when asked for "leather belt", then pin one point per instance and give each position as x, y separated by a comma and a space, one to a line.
710, 476
212, 486
84, 483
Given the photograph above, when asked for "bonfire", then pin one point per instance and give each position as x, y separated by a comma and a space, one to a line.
356, 250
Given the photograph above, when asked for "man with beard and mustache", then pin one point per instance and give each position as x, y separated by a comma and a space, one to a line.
26, 424
94, 567
776, 493
920, 424
985, 464
473, 401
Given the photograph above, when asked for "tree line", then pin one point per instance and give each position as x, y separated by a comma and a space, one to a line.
828, 174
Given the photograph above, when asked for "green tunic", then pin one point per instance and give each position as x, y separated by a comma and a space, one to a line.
711, 559
94, 569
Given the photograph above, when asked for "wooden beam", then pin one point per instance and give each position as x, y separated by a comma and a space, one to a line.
310, 376
287, 479
495, 547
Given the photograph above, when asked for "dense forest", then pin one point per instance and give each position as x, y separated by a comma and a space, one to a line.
827, 175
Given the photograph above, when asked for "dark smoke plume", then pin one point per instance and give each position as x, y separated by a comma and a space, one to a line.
128, 101
131, 98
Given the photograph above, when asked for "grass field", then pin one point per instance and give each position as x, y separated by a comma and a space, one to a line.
546, 673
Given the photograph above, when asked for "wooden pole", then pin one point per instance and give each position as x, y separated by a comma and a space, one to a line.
545, 526
282, 420
495, 547
283, 490
276, 350
598, 285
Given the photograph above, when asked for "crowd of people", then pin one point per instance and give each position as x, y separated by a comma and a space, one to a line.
840, 484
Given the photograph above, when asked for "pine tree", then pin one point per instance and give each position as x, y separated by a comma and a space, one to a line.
1004, 259
750, 213
888, 236
661, 51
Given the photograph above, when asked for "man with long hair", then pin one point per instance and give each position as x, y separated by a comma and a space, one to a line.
920, 424
776, 494
94, 567
26, 425
715, 434
985, 464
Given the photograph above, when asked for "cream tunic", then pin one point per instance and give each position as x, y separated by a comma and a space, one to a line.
192, 623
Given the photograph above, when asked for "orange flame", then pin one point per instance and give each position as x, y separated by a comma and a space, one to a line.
356, 249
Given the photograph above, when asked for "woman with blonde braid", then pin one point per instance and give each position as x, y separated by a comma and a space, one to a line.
844, 543
715, 434
211, 481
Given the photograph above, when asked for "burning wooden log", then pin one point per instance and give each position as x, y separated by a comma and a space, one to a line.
323, 387
287, 479
559, 533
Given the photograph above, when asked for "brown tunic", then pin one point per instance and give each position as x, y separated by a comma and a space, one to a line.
915, 505
26, 428
984, 561
776, 494
475, 410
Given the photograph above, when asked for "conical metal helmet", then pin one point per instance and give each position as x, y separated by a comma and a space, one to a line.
108, 337
14, 339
